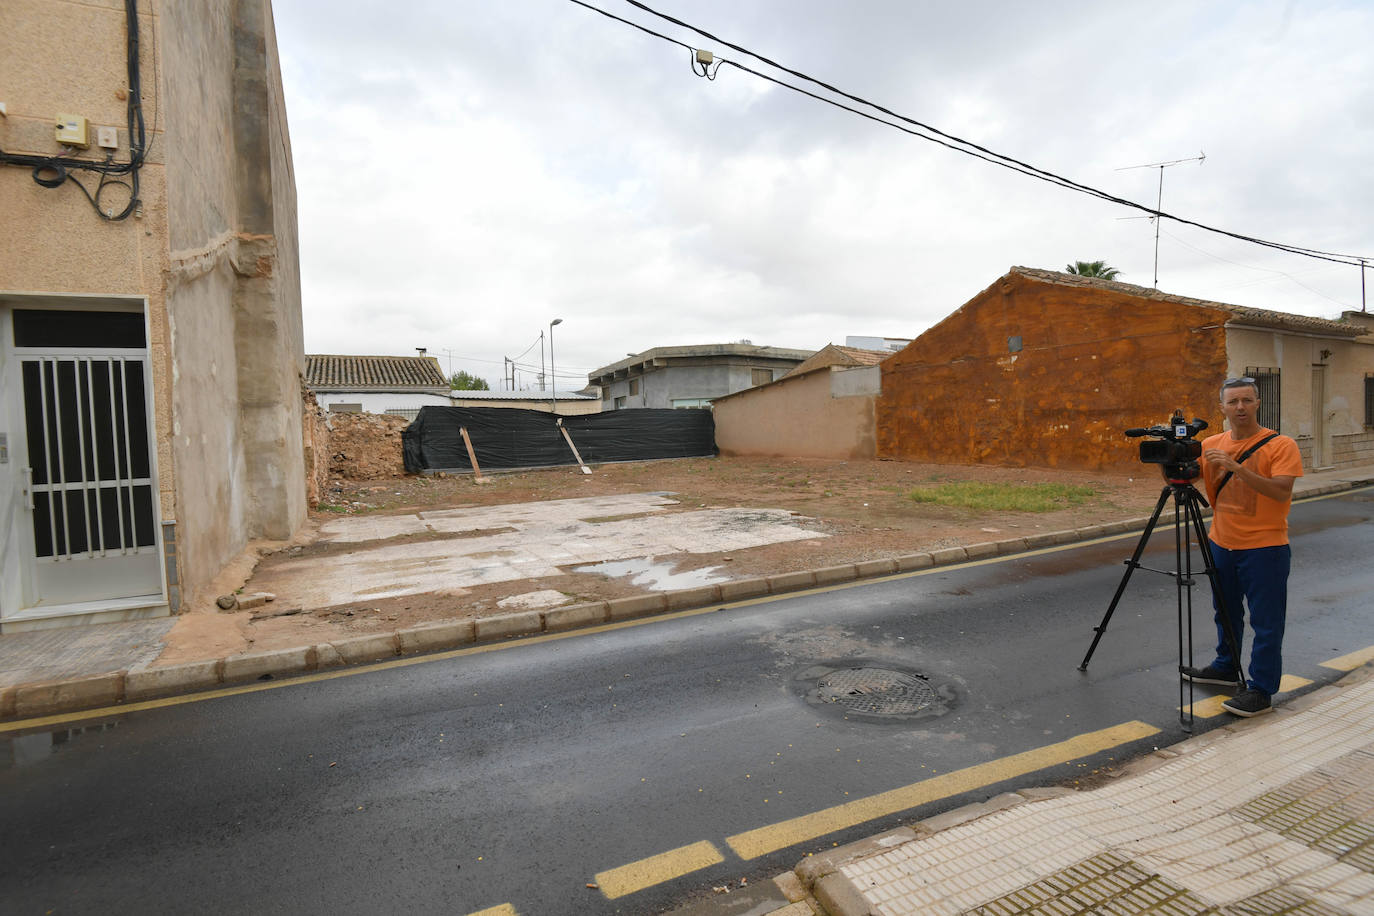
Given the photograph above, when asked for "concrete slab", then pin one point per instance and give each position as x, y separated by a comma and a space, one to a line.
533, 540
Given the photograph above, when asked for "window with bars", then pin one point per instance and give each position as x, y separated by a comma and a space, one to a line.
1267, 383
1369, 399
410, 413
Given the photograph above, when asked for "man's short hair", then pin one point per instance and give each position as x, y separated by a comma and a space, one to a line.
1243, 381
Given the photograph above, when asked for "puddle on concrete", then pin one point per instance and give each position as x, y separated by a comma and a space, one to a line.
31, 749
659, 576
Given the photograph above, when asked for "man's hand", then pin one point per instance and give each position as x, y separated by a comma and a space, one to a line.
1279, 489
1220, 458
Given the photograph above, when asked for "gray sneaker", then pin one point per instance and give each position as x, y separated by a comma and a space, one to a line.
1248, 703
1211, 675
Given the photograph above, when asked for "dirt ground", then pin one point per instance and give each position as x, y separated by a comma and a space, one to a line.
862, 507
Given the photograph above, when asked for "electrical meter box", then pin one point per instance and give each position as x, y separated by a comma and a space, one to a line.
73, 131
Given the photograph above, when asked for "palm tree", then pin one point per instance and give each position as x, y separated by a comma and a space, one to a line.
1097, 269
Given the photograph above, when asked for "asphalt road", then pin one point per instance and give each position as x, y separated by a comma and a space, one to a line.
653, 759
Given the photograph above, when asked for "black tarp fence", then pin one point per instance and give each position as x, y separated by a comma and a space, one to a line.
505, 437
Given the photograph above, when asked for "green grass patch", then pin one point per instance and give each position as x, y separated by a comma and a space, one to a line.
1003, 497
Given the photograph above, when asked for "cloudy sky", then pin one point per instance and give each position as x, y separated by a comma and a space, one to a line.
469, 171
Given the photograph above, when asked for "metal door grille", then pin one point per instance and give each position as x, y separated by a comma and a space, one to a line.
91, 487
1267, 386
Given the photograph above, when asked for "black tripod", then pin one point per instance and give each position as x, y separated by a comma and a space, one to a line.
1187, 524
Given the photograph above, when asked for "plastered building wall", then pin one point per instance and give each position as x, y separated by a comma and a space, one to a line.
1321, 388
1036, 374
212, 250
822, 414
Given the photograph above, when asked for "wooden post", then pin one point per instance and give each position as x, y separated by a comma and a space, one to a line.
472, 457
564, 430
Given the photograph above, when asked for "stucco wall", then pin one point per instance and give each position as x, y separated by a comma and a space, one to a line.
222, 293
799, 416
1091, 363
1329, 432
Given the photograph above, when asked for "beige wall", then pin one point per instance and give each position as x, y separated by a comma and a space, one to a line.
565, 408
213, 249
799, 416
1341, 363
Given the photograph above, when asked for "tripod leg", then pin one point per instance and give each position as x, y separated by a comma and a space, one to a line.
1183, 562
1131, 566
1223, 600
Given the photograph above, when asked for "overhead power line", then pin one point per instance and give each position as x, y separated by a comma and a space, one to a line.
935, 135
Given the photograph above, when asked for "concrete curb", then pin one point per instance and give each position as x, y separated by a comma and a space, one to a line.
136, 684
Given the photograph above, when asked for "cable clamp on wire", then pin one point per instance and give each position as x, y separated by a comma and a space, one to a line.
704, 63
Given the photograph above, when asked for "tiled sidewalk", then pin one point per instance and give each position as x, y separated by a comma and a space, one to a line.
1270, 816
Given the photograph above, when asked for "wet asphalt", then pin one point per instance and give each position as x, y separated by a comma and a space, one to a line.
518, 775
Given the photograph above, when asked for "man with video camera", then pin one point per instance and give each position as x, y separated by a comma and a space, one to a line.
1249, 472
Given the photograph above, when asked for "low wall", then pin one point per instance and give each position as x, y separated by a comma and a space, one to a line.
821, 414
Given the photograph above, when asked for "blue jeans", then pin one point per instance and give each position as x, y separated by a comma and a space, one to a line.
1260, 576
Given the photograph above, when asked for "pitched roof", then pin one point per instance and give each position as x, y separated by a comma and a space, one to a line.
836, 355
377, 373
1241, 314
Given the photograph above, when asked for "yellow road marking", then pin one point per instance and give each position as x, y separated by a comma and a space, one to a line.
504, 909
754, 843
1210, 707
1351, 661
665, 866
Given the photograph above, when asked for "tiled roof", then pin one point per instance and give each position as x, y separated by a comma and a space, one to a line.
363, 373
836, 355
1242, 314
865, 357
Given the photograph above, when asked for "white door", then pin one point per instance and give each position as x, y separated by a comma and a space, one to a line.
83, 508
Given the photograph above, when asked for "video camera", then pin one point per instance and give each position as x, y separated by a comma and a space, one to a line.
1173, 446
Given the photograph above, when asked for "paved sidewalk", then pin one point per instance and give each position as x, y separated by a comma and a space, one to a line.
1272, 815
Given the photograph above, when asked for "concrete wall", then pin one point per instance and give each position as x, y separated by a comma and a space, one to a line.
1091, 362
566, 407
233, 287
213, 250
381, 402
822, 414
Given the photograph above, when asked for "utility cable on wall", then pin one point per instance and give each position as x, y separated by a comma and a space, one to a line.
55, 171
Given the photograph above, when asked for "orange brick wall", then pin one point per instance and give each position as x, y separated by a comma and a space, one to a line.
1093, 362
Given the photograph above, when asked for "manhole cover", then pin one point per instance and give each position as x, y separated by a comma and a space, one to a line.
877, 691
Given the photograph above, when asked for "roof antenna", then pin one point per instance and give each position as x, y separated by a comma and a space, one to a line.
1199, 159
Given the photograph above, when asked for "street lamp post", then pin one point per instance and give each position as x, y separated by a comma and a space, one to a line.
553, 372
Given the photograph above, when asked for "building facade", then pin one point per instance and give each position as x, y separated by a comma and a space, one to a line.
150, 328
396, 385
690, 376
1047, 369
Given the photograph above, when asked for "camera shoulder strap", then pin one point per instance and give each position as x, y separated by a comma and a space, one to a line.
1243, 455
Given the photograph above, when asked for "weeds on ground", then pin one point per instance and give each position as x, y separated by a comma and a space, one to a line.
1004, 497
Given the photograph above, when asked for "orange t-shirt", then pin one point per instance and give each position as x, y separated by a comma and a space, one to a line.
1241, 517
